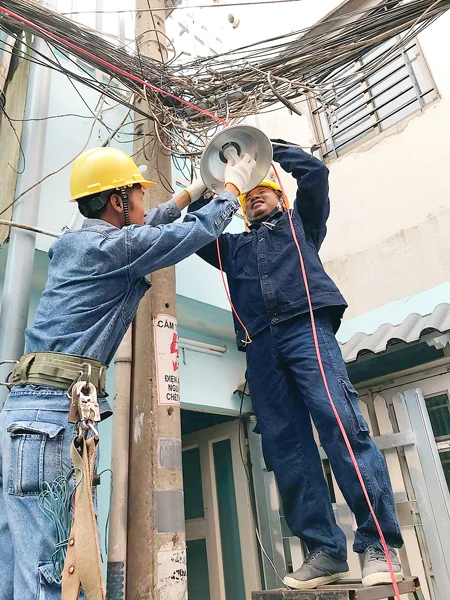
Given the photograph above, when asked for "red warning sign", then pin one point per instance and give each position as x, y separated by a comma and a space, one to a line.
166, 352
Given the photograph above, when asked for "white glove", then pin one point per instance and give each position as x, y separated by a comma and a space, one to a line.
238, 170
196, 189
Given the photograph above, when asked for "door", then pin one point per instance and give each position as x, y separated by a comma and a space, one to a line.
222, 558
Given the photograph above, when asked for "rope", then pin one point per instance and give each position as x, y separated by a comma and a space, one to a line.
56, 501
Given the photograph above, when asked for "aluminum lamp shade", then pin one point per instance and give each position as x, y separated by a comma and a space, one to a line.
246, 140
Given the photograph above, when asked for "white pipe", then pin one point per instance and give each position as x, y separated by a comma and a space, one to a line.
29, 228
19, 266
117, 541
202, 347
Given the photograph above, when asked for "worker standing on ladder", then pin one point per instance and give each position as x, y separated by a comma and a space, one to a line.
96, 278
285, 382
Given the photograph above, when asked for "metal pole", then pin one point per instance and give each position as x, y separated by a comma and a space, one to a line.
156, 567
19, 266
117, 541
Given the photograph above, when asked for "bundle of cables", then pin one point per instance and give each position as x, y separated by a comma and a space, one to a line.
187, 100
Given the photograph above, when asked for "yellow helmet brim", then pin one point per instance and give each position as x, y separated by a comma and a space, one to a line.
266, 183
103, 169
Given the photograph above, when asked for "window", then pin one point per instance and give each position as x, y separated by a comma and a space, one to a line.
376, 92
439, 412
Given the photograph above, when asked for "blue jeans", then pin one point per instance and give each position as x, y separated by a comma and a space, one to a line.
286, 390
35, 440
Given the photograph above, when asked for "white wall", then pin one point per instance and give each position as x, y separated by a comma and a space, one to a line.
388, 232
388, 229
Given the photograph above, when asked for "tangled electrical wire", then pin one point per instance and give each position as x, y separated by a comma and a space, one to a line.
185, 100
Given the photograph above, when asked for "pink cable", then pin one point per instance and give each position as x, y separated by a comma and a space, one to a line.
305, 279
248, 339
333, 406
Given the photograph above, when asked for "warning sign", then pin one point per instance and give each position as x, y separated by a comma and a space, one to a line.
166, 352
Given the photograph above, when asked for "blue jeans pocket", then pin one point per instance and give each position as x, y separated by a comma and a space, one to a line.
35, 456
50, 583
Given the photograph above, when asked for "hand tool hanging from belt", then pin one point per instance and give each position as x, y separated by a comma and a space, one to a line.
82, 567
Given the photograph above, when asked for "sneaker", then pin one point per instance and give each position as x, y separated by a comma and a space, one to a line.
376, 569
317, 569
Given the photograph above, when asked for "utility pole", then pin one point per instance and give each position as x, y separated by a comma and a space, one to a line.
156, 559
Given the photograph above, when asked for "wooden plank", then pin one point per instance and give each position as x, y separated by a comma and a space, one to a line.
347, 590
412, 561
291, 595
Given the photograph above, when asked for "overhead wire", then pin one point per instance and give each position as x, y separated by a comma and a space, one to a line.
231, 85
65, 165
177, 8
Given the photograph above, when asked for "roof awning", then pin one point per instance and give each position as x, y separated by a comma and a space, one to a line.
376, 337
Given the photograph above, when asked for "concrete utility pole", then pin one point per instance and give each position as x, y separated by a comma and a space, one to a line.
156, 560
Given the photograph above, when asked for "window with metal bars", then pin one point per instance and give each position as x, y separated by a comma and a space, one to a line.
367, 97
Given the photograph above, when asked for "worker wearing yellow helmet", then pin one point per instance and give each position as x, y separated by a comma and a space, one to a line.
268, 184
96, 279
274, 329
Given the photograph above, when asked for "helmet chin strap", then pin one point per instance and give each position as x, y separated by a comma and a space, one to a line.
126, 212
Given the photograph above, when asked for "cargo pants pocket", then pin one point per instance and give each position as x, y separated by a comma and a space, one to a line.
353, 409
35, 456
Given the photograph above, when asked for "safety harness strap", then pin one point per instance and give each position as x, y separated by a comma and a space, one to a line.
82, 566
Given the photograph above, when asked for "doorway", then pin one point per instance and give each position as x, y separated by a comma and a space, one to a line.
222, 557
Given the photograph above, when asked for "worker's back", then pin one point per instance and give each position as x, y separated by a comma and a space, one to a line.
90, 298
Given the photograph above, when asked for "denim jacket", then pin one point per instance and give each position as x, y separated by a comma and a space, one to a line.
96, 276
262, 265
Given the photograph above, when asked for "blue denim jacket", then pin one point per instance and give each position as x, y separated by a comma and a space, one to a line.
262, 265
96, 276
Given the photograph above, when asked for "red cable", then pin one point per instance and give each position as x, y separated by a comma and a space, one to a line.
333, 406
305, 279
109, 65
248, 339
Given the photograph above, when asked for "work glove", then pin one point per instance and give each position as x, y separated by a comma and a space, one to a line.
238, 170
196, 189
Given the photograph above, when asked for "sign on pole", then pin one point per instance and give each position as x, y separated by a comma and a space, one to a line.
166, 353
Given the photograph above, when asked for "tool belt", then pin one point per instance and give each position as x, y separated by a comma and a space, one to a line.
59, 371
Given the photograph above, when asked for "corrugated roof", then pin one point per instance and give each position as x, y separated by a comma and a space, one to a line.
410, 330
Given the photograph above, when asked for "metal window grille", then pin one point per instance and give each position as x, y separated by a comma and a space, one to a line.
371, 99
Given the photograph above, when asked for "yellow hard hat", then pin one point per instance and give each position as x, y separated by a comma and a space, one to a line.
266, 183
101, 169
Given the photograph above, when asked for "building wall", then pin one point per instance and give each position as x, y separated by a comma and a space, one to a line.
390, 197
388, 233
